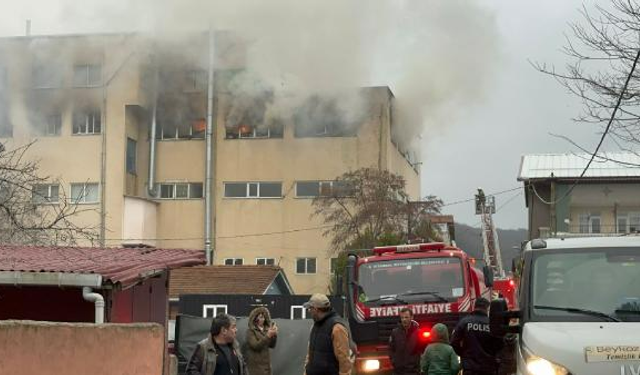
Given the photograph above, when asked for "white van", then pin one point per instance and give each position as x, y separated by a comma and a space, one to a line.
579, 307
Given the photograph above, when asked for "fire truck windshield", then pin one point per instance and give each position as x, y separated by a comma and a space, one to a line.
435, 279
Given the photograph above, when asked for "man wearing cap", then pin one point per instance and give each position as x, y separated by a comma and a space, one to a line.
329, 349
473, 342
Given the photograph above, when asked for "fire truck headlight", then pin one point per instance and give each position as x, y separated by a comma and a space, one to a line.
371, 365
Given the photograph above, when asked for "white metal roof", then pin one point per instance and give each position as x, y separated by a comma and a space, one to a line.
605, 165
592, 242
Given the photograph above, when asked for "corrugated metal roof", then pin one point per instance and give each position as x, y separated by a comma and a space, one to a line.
116, 265
249, 279
605, 165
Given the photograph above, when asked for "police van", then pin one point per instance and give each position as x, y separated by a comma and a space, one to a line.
579, 308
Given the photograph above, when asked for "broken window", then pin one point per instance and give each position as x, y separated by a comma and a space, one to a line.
87, 75
321, 117
253, 190
87, 122
50, 124
45, 193
181, 190
84, 192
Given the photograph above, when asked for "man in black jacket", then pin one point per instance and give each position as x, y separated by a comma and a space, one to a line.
474, 343
403, 345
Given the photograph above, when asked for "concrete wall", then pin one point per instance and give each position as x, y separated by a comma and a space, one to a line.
30, 347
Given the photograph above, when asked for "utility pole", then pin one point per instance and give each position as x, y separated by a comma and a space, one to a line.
486, 207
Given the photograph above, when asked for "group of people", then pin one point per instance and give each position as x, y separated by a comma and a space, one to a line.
471, 349
330, 349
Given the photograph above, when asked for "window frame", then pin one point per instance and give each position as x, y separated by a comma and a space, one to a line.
215, 308
248, 186
84, 195
628, 217
266, 261
306, 266
234, 261
586, 223
87, 75
87, 114
131, 159
46, 200
174, 190
320, 183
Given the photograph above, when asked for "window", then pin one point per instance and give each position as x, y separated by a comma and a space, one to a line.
629, 222
253, 190
131, 155
319, 117
46, 76
181, 190
306, 265
298, 312
233, 261
87, 75
84, 193
265, 261
44, 193
87, 122
589, 223
210, 311
312, 189
254, 132
195, 80
194, 129
52, 125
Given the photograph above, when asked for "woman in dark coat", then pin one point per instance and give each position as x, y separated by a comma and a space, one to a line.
261, 336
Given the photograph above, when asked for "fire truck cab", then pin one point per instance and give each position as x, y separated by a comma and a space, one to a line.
438, 282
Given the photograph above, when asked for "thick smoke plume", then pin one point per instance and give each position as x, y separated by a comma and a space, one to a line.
438, 57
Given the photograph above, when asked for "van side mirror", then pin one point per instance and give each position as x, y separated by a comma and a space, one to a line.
499, 317
488, 276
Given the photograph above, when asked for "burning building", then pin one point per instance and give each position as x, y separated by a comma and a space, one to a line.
121, 126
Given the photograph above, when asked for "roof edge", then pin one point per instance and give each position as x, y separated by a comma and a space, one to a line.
50, 279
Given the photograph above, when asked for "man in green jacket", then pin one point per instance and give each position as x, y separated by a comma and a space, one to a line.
439, 358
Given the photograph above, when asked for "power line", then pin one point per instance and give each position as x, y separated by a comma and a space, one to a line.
473, 199
604, 134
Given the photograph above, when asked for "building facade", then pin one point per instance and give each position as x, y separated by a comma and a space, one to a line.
90, 101
603, 202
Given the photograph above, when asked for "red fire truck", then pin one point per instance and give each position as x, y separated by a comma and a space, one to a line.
437, 281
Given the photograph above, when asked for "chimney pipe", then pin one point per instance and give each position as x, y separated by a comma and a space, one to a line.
28, 28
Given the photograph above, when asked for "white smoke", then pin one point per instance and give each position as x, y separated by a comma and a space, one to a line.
437, 56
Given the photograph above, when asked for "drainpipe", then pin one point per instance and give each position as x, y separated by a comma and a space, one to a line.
151, 183
98, 300
209, 172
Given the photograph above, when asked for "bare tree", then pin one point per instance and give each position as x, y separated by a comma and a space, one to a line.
369, 207
604, 50
33, 209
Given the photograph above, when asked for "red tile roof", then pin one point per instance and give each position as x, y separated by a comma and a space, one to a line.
221, 280
116, 265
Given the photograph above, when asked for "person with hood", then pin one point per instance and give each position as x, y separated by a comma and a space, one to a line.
439, 358
473, 342
262, 335
403, 345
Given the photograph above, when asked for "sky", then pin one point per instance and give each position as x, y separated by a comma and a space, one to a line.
460, 69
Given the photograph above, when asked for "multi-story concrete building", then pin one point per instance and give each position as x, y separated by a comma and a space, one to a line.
90, 101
